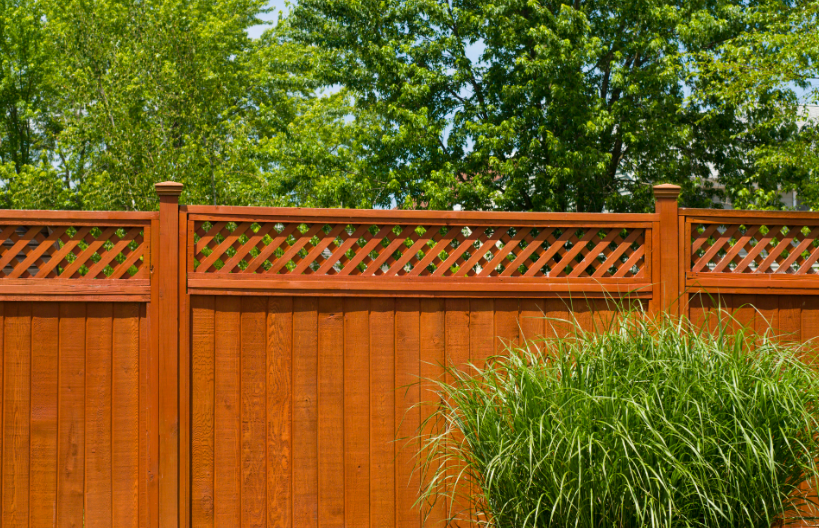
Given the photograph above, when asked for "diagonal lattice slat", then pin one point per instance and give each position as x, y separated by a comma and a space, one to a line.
72, 252
335, 249
754, 249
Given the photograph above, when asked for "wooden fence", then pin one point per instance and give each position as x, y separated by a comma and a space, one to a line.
235, 366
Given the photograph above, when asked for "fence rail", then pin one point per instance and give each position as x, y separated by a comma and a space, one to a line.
209, 364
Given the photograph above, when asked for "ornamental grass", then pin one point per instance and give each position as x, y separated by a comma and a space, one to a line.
644, 423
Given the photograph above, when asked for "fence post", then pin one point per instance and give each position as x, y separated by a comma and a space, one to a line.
665, 197
168, 327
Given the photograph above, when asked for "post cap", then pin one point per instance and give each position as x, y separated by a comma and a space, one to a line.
169, 188
666, 190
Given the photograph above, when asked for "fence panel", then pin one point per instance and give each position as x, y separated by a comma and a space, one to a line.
77, 369
223, 366
298, 401
75, 394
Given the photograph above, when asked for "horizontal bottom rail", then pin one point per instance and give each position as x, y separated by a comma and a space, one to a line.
120, 290
416, 286
752, 283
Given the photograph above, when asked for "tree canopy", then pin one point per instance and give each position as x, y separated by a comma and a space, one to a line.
103, 99
575, 106
506, 104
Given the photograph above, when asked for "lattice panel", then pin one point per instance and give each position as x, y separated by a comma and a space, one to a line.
415, 250
754, 249
72, 252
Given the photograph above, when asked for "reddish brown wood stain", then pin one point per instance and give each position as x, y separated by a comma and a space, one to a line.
72, 399
211, 395
351, 371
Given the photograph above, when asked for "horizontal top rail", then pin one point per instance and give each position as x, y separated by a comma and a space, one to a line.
720, 215
96, 218
400, 216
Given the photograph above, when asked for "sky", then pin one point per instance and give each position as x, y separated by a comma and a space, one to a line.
277, 6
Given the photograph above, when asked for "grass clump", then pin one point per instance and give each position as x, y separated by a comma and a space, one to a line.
645, 424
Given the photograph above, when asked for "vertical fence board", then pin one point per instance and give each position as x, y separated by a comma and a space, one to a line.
125, 413
305, 412
98, 416
2, 407
254, 341
202, 434
696, 311
145, 439
433, 358
767, 316
531, 321
810, 325
356, 382
603, 314
581, 313
382, 412
457, 346
744, 312
227, 413
45, 327
407, 413
279, 412
558, 321
17, 401
482, 345
331, 412
482, 340
507, 324
71, 443
790, 317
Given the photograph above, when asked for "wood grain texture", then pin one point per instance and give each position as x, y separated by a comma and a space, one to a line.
744, 312
45, 325
432, 363
532, 322
407, 412
457, 320
331, 412
356, 412
227, 413
253, 376
766, 319
482, 335
305, 412
341, 382
125, 414
16, 413
507, 324
71, 434
2, 404
790, 318
146, 435
98, 427
166, 297
202, 434
382, 412
279, 412
810, 327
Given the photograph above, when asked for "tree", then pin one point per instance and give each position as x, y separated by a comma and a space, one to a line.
27, 99
540, 105
103, 99
769, 74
